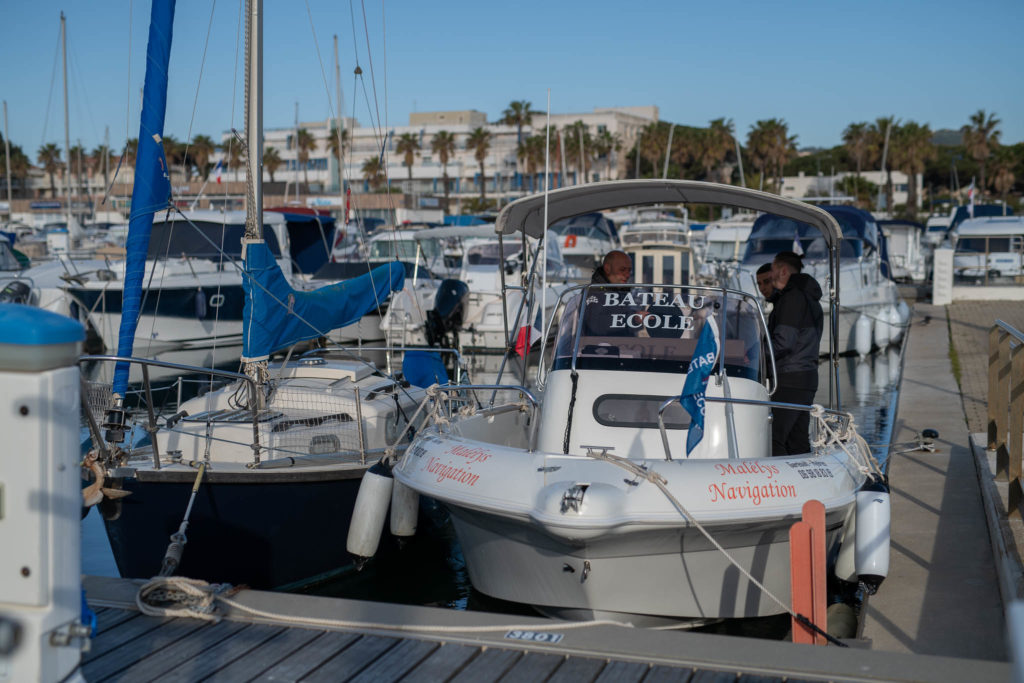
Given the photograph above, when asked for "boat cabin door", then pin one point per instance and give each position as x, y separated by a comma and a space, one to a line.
661, 266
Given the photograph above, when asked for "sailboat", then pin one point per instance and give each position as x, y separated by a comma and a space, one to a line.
596, 495
241, 482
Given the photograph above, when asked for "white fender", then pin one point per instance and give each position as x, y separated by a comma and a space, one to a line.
903, 317
405, 504
882, 370
862, 336
872, 534
882, 329
894, 365
370, 511
862, 381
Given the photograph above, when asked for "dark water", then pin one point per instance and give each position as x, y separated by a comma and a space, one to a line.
429, 569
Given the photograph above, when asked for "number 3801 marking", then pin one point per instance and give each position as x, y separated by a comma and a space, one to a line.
534, 636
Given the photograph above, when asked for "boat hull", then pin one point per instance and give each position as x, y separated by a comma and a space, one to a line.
613, 577
263, 529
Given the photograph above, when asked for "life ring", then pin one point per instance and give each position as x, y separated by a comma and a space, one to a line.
570, 241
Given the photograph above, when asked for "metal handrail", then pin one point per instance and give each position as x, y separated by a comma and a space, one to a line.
144, 362
1006, 409
534, 403
737, 401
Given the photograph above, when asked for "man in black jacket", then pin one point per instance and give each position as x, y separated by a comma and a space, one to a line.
795, 325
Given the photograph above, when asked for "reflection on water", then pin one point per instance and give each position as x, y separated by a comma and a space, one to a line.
430, 570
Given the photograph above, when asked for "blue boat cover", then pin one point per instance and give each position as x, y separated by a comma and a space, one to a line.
276, 316
424, 368
855, 223
152, 189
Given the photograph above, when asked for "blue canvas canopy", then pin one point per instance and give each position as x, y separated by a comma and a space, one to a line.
276, 316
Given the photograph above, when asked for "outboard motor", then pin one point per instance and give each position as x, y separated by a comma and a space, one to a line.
16, 292
446, 315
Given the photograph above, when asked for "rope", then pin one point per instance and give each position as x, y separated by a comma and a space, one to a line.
660, 481
197, 599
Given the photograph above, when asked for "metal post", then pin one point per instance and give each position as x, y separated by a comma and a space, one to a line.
151, 428
67, 136
1016, 494
359, 426
7, 156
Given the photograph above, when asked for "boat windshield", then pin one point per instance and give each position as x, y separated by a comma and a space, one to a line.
8, 261
655, 329
402, 249
815, 249
982, 245
721, 251
487, 254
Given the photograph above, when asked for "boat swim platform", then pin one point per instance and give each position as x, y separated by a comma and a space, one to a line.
297, 644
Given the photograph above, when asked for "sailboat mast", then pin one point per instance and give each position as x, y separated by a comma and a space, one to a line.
254, 119
67, 135
7, 156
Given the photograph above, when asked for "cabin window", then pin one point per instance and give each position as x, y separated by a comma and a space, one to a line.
648, 269
668, 269
638, 412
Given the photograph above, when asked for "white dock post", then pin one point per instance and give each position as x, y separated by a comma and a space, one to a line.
40, 496
942, 277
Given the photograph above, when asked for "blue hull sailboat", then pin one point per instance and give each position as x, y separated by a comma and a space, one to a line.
241, 482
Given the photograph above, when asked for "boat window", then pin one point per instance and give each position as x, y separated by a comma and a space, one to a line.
764, 250
817, 250
202, 239
720, 251
8, 261
487, 254
656, 329
390, 249
668, 268
629, 410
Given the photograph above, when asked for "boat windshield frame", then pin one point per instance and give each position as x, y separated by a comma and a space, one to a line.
655, 296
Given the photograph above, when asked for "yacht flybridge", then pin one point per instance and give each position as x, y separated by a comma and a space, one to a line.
580, 497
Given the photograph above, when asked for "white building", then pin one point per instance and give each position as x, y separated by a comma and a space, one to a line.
504, 175
803, 186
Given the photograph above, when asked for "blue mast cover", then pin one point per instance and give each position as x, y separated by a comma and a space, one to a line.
152, 189
275, 316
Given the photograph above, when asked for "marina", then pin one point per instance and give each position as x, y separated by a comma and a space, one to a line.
530, 399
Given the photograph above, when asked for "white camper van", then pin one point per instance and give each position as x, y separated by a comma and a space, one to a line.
989, 248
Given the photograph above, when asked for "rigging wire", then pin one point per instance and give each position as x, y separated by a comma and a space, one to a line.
49, 95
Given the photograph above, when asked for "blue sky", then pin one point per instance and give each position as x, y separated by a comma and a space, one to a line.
818, 65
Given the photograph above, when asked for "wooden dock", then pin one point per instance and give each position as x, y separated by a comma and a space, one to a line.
298, 644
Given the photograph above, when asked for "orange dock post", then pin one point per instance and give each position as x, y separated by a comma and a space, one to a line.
807, 572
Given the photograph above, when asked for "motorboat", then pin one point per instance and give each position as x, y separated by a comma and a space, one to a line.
725, 241
872, 312
586, 239
485, 307
661, 249
584, 498
907, 259
989, 250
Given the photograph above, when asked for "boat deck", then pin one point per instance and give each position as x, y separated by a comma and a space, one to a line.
299, 637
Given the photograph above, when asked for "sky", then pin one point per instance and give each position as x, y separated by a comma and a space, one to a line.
817, 65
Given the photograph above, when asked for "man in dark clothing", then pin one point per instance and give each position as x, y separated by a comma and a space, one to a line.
795, 325
615, 269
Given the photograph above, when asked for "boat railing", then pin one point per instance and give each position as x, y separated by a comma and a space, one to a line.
842, 419
97, 399
1006, 409
492, 410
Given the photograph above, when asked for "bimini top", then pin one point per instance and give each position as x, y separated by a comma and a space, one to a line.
527, 214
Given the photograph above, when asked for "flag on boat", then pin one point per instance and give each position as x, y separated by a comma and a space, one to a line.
528, 335
970, 199
701, 366
217, 169
797, 247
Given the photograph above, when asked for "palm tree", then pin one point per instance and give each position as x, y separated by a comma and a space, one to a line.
685, 147
304, 144
912, 149
717, 143
272, 161
337, 145
605, 143
78, 163
174, 152
20, 163
373, 171
408, 146
201, 149
49, 156
480, 142
1003, 177
771, 146
653, 142
577, 146
757, 148
518, 114
443, 145
981, 139
856, 139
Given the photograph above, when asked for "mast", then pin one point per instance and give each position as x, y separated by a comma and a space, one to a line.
7, 156
668, 151
254, 148
67, 136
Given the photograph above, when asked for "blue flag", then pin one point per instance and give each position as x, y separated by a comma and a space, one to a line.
701, 366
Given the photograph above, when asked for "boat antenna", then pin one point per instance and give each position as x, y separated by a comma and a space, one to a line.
739, 158
544, 234
668, 150
67, 136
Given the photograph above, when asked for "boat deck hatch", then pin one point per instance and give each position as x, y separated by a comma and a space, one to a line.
235, 415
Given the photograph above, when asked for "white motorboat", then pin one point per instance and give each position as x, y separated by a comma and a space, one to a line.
581, 500
908, 260
586, 239
872, 312
725, 241
486, 309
